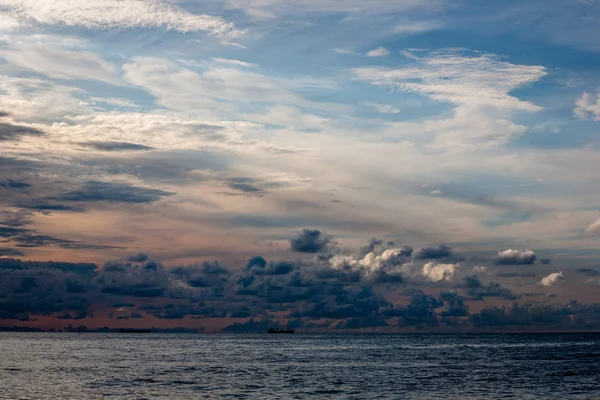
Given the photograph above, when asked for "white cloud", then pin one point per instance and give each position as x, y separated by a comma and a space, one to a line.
108, 14
215, 91
552, 279
290, 6
588, 106
477, 85
38, 99
378, 52
413, 28
60, 63
479, 80
8, 22
435, 272
344, 51
290, 117
383, 108
479, 270
235, 63
593, 228
372, 262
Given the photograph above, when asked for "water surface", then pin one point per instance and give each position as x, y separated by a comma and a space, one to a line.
328, 366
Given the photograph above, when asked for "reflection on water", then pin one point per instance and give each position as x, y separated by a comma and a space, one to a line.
179, 366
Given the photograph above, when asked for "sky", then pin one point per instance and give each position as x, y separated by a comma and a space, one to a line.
377, 165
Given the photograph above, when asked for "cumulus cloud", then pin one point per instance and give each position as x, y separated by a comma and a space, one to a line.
593, 228
435, 272
310, 241
109, 14
477, 290
588, 106
515, 257
552, 279
378, 52
383, 265
427, 253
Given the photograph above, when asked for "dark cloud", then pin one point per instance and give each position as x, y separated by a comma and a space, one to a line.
588, 272
7, 251
14, 184
514, 274
545, 261
9, 232
476, 290
10, 131
430, 253
124, 279
45, 207
244, 187
252, 326
41, 289
4, 114
421, 310
359, 323
256, 261
205, 275
113, 192
455, 306
515, 257
310, 241
370, 247
139, 257
548, 317
117, 146
16, 218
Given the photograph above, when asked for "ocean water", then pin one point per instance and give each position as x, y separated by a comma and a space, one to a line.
328, 366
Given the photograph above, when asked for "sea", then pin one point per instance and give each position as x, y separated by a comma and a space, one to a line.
299, 366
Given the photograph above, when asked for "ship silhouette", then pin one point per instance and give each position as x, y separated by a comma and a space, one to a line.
275, 330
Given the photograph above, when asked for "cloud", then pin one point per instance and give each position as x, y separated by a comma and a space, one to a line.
60, 63
378, 52
16, 218
515, 257
552, 279
148, 280
588, 272
476, 290
8, 251
593, 228
45, 207
96, 191
139, 257
383, 108
426, 253
588, 106
310, 241
235, 63
117, 146
435, 272
545, 261
416, 27
10, 131
14, 184
110, 14
477, 81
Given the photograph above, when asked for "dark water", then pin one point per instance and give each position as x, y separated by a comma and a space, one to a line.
177, 366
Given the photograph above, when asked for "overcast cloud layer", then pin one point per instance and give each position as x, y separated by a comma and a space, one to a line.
166, 135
